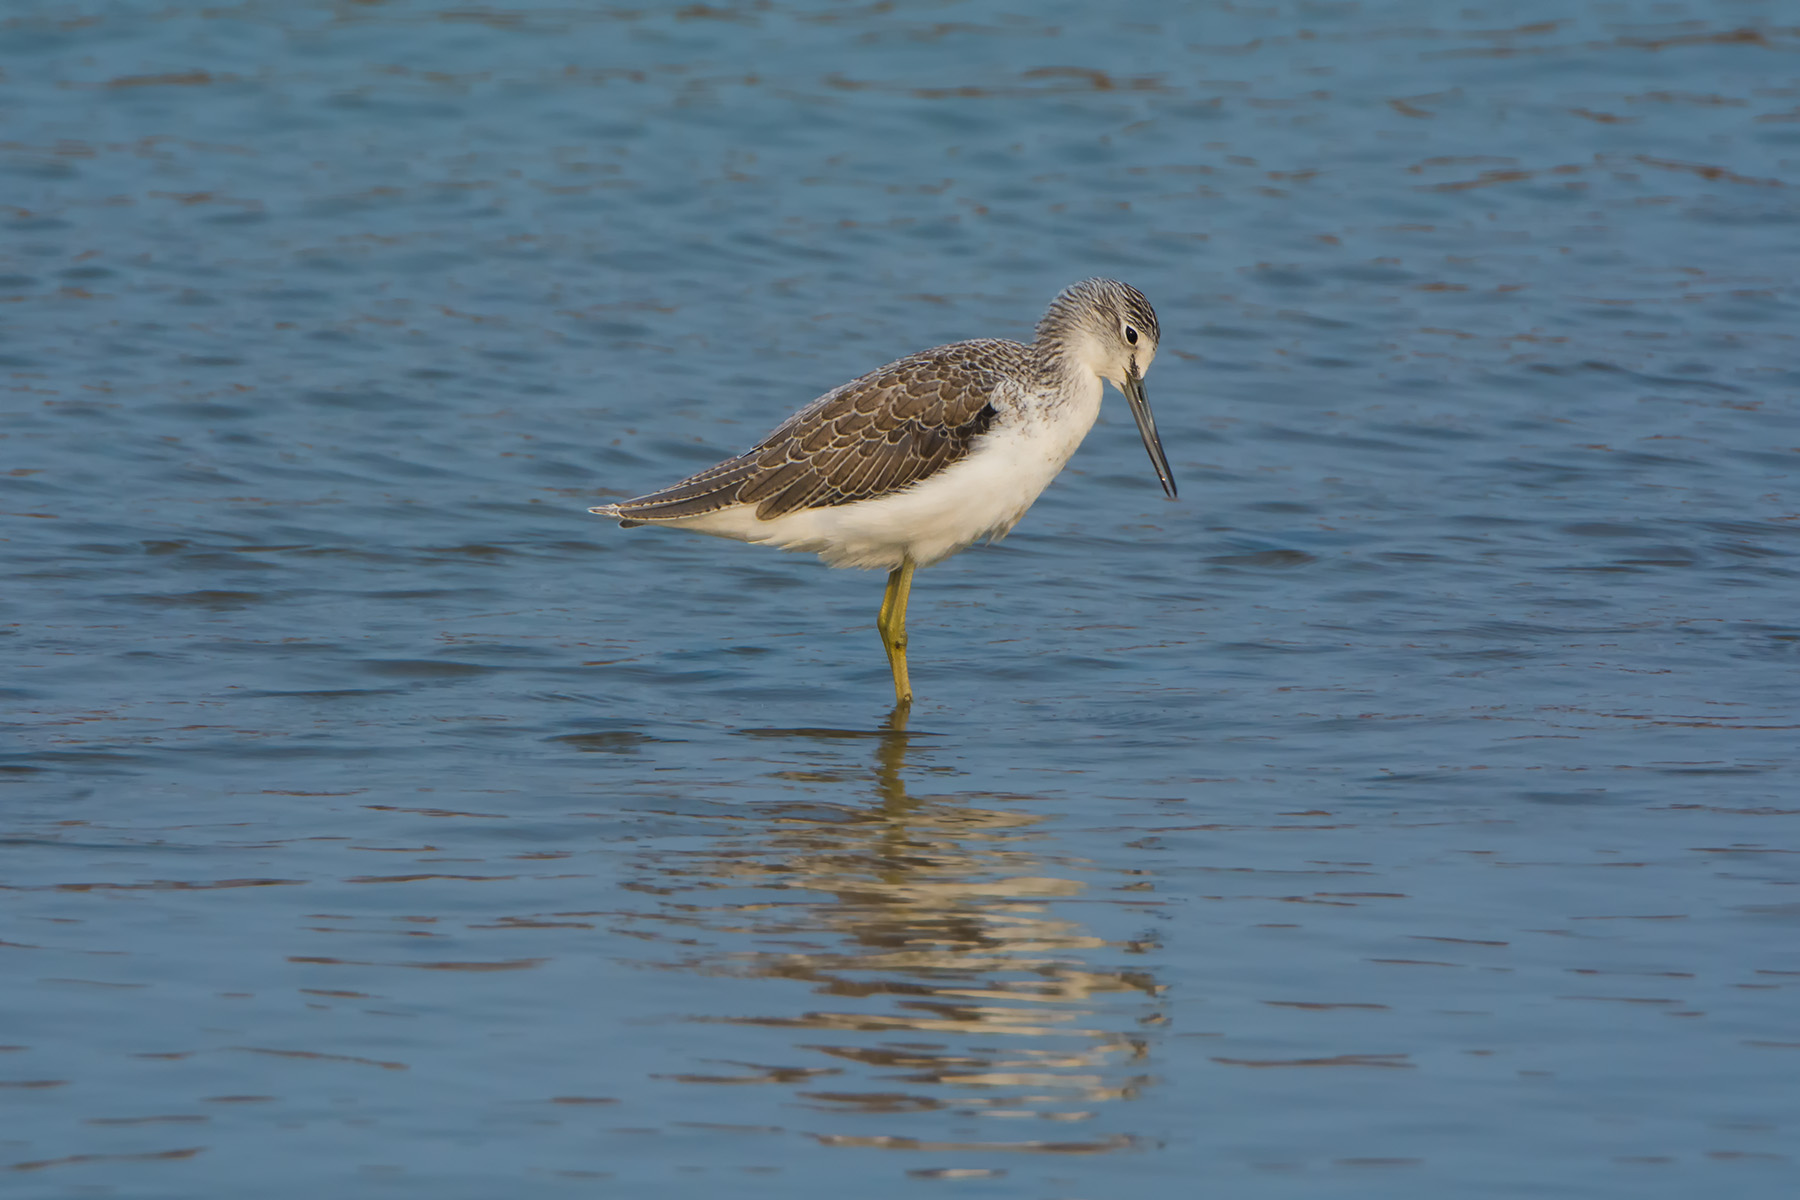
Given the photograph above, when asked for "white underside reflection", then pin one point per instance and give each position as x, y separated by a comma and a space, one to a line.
942, 983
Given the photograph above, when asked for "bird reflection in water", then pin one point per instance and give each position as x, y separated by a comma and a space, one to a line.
954, 987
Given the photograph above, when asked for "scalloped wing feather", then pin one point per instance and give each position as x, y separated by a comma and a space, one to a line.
875, 435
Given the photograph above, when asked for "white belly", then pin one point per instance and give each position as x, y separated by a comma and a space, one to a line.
980, 496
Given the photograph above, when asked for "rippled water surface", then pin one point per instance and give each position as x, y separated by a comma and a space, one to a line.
1408, 811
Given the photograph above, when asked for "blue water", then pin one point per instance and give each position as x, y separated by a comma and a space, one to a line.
1408, 811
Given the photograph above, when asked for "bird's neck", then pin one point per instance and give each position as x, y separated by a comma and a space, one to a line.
1068, 389
1061, 360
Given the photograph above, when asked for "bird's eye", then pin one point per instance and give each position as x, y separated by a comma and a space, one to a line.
1131, 335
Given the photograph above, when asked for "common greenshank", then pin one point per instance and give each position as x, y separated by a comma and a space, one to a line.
910, 463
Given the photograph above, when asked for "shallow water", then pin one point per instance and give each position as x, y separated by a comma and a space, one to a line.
1406, 811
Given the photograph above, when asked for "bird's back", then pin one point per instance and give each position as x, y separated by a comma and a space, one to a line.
874, 436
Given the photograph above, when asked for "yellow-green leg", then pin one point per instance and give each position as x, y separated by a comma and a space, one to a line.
892, 624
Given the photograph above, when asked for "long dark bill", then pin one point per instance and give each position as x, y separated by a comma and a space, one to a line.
1140, 410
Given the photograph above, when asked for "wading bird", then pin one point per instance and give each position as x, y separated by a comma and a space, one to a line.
910, 463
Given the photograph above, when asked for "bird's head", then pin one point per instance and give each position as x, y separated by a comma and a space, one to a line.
1107, 327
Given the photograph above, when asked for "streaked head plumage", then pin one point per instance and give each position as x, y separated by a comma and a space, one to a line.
1107, 324
1108, 328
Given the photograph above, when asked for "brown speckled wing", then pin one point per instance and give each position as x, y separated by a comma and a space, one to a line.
874, 435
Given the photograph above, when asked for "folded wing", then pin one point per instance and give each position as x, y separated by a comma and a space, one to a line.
878, 434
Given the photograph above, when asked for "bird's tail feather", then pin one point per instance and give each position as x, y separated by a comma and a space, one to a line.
711, 490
